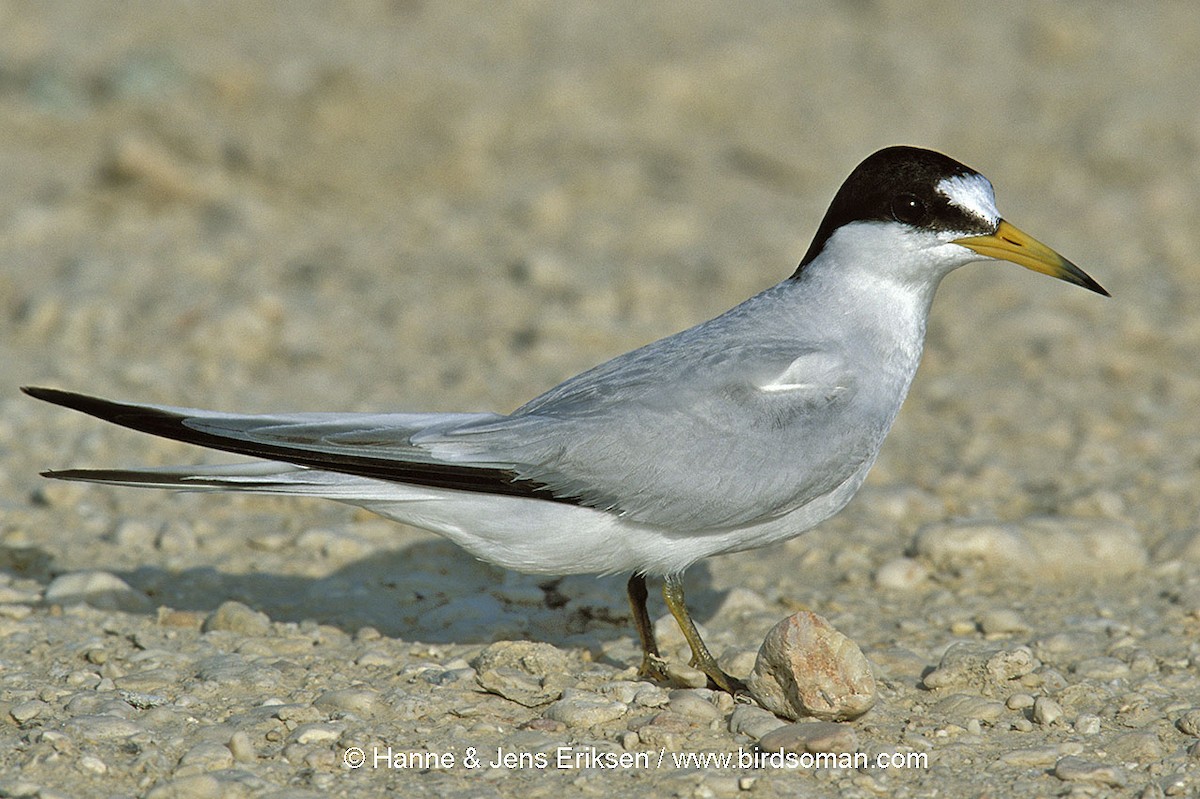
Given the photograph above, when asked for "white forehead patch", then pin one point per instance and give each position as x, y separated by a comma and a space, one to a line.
972, 193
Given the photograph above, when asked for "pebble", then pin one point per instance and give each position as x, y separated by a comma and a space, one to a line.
235, 617
807, 668
207, 756
970, 706
1189, 723
1039, 549
901, 574
1135, 747
811, 736
1076, 769
531, 657
92, 764
530, 690
753, 721
242, 748
1101, 668
98, 589
1087, 724
316, 732
680, 673
361, 702
237, 670
1019, 702
585, 709
1046, 710
1032, 757
692, 704
24, 711
102, 728
981, 666
1002, 622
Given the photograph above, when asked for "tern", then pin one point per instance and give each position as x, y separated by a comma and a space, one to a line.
738, 433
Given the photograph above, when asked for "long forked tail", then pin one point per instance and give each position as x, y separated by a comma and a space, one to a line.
290, 457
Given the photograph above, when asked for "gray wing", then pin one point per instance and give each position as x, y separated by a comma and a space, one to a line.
682, 440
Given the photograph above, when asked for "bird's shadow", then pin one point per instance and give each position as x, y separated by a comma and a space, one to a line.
428, 591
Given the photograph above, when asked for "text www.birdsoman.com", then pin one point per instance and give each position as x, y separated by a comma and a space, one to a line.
568, 758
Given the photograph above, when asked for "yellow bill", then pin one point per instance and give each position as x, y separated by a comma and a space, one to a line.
1010, 244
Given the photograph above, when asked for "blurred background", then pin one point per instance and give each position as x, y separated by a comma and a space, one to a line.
412, 205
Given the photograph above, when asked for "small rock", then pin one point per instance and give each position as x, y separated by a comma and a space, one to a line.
24, 711
92, 765
1057, 549
1135, 747
530, 657
1087, 724
584, 709
1019, 702
237, 618
901, 574
1076, 769
1189, 723
102, 728
1062, 649
207, 756
689, 703
1032, 757
680, 673
1000, 622
242, 748
362, 702
981, 666
530, 690
811, 736
753, 721
807, 668
1046, 710
194, 786
97, 589
970, 707
316, 732
1101, 668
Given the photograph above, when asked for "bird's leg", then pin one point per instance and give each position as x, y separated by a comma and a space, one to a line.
652, 662
701, 658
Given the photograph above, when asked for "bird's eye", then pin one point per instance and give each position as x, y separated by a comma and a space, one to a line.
908, 208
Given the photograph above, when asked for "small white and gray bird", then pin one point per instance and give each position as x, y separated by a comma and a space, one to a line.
738, 433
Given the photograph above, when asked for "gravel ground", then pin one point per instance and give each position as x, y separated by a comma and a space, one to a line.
405, 205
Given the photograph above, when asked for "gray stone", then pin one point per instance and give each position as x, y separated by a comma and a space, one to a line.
99, 590
237, 618
585, 709
689, 703
1050, 548
1076, 769
522, 687
984, 667
901, 574
361, 702
811, 736
1135, 747
206, 756
753, 721
1189, 723
24, 711
531, 657
102, 728
970, 706
1046, 710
